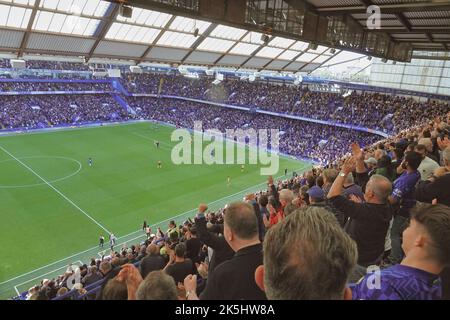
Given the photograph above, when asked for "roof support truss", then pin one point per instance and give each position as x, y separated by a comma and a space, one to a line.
199, 40
26, 36
147, 51
104, 29
386, 8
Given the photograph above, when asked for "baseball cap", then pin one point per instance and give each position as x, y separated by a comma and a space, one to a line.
316, 192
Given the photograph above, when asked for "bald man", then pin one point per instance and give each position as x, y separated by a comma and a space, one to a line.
234, 279
369, 220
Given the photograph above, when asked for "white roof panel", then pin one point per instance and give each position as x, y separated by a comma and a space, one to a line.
147, 18
216, 45
95, 8
289, 55
319, 50
253, 37
56, 23
24, 2
328, 52
226, 32
92, 8
63, 23
281, 42
300, 45
177, 39
244, 48
344, 56
19, 17
126, 32
321, 59
43, 19
269, 52
189, 25
50, 4
306, 57
84, 18
14, 17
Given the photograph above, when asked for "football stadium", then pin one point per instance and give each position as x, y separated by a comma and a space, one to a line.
224, 150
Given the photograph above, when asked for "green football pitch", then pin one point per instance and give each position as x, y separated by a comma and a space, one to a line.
54, 206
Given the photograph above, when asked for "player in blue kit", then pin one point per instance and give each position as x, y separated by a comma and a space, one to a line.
90, 162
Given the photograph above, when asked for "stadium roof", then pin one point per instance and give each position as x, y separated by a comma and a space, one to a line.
424, 24
94, 28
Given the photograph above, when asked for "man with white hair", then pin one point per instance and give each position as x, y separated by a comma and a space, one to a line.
428, 165
437, 186
286, 197
428, 143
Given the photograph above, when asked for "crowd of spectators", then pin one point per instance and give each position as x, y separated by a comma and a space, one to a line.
56, 65
63, 65
4, 63
32, 74
26, 86
28, 112
372, 110
373, 204
330, 226
297, 138
59, 65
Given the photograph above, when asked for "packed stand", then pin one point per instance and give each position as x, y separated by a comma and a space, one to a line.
42, 111
301, 139
378, 204
330, 225
371, 110
27, 86
4, 63
56, 65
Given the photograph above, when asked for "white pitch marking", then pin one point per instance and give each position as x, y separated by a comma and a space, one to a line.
168, 219
41, 276
56, 190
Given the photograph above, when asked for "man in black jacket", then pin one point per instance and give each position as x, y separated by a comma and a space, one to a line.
193, 246
437, 187
369, 221
93, 276
234, 279
221, 250
109, 272
152, 262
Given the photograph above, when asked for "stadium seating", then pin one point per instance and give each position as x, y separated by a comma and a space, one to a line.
372, 110
409, 122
